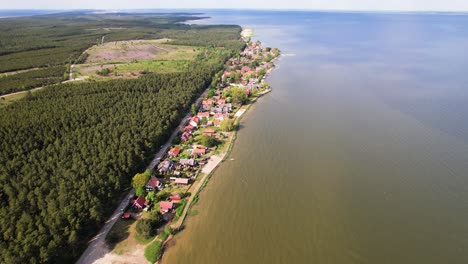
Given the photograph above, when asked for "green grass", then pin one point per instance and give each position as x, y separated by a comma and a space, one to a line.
153, 251
153, 66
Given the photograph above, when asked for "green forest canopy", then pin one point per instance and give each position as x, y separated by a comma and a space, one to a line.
60, 39
67, 152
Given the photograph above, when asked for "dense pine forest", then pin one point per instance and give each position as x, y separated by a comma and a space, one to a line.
68, 151
60, 39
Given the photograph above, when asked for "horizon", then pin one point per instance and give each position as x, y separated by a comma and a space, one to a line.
175, 10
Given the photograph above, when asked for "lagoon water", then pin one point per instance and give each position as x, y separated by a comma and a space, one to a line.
360, 153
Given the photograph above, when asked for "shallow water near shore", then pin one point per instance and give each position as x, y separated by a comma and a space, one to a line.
359, 155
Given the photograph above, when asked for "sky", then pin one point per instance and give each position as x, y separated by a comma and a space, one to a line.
356, 5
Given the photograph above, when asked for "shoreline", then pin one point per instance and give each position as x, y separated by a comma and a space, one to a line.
255, 87
220, 158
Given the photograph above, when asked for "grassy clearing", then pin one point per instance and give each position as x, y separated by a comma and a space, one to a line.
119, 236
6, 100
152, 66
153, 251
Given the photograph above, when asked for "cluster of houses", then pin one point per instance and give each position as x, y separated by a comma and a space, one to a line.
246, 71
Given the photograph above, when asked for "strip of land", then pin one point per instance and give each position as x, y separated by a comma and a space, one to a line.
185, 163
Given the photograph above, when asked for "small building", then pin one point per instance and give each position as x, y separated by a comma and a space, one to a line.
153, 184
203, 115
166, 166
139, 202
188, 128
198, 151
209, 132
185, 136
207, 102
221, 117
182, 181
221, 101
165, 206
175, 198
216, 123
174, 152
194, 121
188, 162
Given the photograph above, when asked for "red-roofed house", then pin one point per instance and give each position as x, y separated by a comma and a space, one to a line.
216, 123
153, 183
174, 152
188, 128
185, 136
207, 102
221, 117
203, 114
165, 206
194, 121
140, 202
182, 181
175, 198
209, 132
199, 152
221, 101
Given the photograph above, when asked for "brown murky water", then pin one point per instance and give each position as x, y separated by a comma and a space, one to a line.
359, 155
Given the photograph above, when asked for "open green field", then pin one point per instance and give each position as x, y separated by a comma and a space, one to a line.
133, 58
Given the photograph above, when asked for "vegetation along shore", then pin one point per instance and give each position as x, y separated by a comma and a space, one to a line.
164, 196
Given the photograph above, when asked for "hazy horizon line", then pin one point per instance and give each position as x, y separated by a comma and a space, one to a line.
243, 9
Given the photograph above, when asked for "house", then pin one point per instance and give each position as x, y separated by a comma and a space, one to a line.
199, 152
153, 183
166, 206
194, 121
209, 132
216, 110
182, 181
186, 136
221, 117
174, 152
207, 102
188, 128
139, 202
188, 162
221, 101
203, 115
165, 166
216, 123
175, 198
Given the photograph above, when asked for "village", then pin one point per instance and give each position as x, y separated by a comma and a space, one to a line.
162, 195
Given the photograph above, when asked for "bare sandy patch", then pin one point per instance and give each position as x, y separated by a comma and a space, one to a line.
127, 50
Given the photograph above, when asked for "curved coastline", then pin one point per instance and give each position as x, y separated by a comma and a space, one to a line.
216, 160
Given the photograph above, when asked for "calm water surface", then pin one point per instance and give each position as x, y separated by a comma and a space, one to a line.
359, 155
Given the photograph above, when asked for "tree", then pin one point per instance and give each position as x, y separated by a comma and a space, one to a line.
193, 109
140, 179
208, 141
227, 125
211, 93
238, 95
157, 218
140, 191
146, 228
